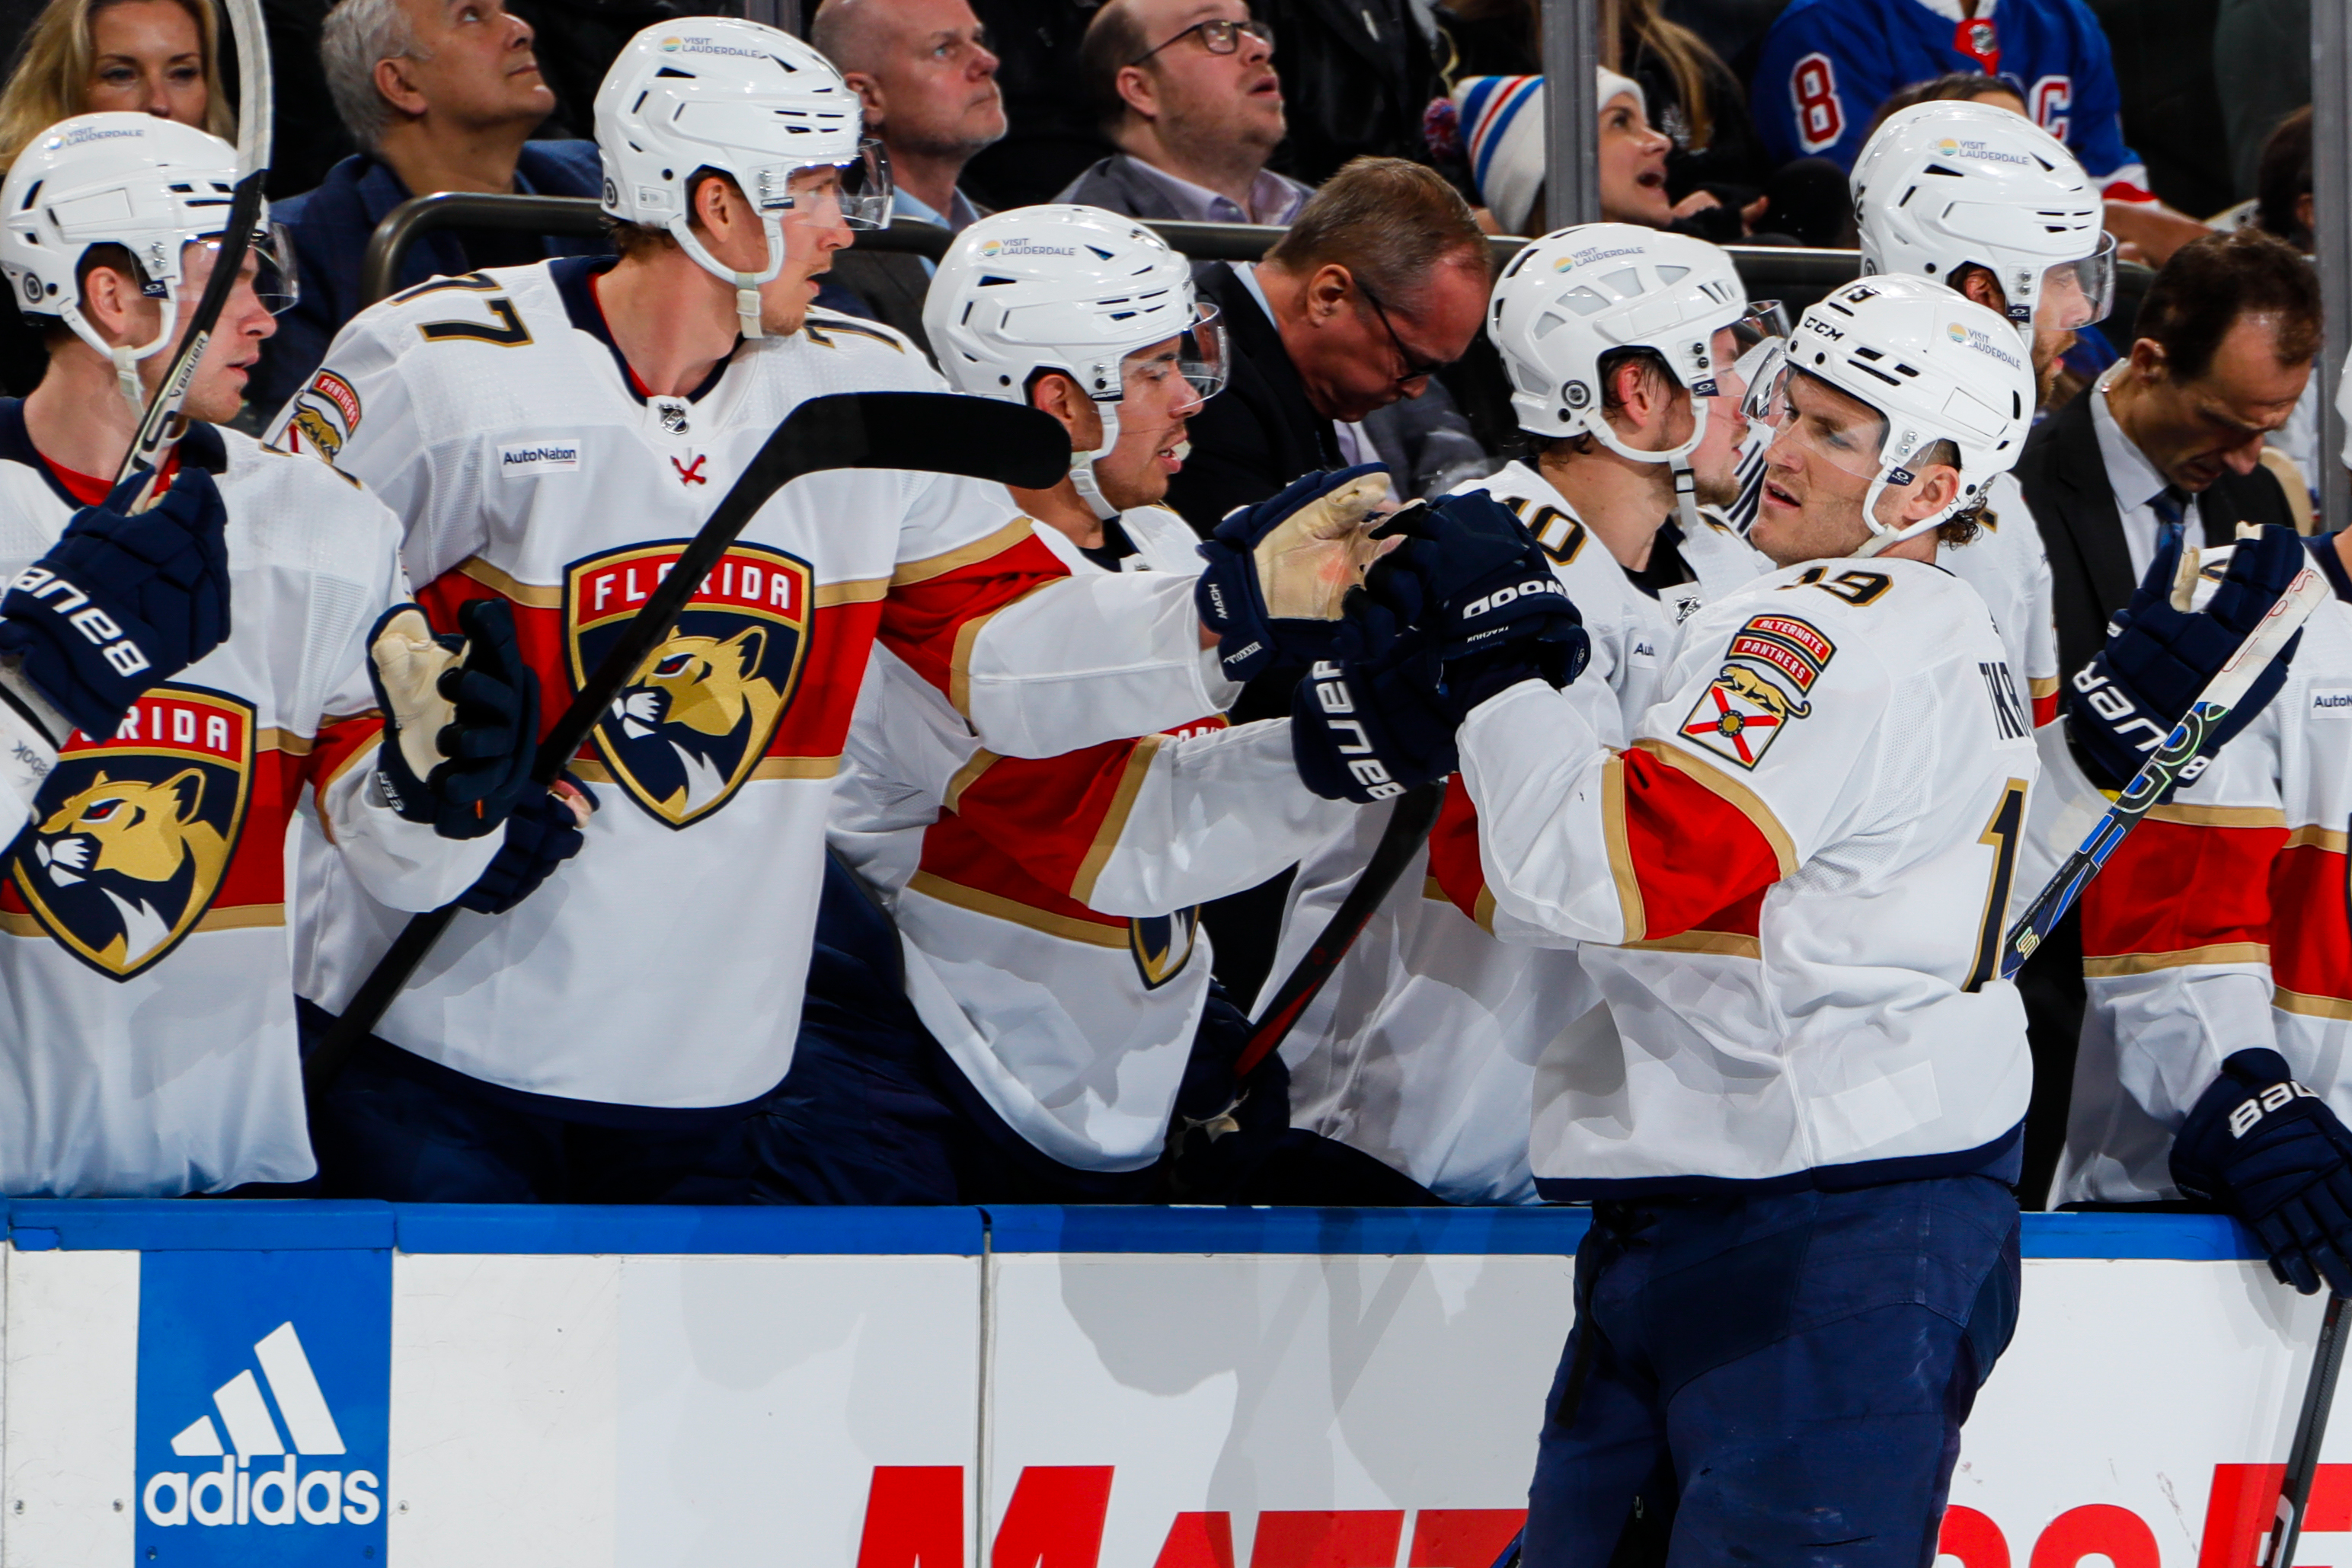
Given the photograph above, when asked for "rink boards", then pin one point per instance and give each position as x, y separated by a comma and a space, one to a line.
352, 1383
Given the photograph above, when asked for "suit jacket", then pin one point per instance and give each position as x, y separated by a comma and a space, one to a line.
1116, 184
1259, 433
889, 285
2065, 483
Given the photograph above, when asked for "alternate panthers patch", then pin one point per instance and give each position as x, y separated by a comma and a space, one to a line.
1745, 708
698, 713
1162, 945
326, 415
132, 854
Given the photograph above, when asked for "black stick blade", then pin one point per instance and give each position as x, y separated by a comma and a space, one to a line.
932, 433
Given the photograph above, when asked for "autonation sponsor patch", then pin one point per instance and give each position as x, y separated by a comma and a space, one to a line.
554, 457
264, 1390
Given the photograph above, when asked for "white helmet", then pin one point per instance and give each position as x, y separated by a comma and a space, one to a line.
747, 101
1938, 366
1945, 185
1579, 294
1068, 289
151, 185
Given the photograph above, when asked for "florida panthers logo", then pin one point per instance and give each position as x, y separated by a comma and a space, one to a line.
698, 711
136, 833
1162, 945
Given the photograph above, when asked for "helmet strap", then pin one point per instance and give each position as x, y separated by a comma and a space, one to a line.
1685, 498
1883, 537
1082, 465
746, 284
124, 358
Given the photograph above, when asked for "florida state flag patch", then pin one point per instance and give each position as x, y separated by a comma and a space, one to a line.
1745, 708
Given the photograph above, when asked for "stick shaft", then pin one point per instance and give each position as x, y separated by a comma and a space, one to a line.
2310, 1431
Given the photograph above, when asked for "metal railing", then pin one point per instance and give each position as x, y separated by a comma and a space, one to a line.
1770, 272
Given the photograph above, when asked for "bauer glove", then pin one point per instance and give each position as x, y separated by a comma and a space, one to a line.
1368, 724
460, 719
122, 602
2272, 1152
2161, 654
1279, 572
542, 833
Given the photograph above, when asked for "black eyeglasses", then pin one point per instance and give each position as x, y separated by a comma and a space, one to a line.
1415, 368
1218, 36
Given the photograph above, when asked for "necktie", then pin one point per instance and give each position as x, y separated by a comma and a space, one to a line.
2170, 506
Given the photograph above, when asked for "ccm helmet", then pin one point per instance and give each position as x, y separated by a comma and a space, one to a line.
1936, 366
1945, 185
150, 186
1070, 289
1578, 294
751, 102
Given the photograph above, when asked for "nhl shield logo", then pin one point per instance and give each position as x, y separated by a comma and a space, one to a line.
698, 713
133, 835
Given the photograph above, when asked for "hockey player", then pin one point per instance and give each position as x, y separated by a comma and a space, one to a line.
1049, 906
149, 1047
1426, 1046
549, 435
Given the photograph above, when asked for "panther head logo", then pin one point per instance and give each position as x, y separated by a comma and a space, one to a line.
692, 695
141, 845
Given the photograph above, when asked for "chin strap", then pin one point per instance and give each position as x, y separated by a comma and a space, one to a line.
125, 358
1685, 498
745, 284
1082, 465
1890, 477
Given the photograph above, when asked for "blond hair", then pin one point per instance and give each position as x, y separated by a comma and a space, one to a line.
1629, 27
54, 63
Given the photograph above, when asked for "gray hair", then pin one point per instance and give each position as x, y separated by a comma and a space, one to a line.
356, 36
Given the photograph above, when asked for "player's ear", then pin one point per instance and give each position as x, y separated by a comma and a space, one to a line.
2148, 359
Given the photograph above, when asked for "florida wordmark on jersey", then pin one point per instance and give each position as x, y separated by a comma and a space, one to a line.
148, 1036
1424, 1049
662, 968
1827, 65
1049, 908
2220, 923
1791, 888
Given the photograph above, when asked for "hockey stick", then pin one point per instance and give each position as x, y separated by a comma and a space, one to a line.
2310, 1427
1409, 823
161, 427
937, 432
2221, 694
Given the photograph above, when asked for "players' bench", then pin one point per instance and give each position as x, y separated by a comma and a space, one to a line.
1771, 272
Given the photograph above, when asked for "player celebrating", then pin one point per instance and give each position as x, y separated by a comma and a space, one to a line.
551, 433
1424, 1049
1049, 907
152, 1044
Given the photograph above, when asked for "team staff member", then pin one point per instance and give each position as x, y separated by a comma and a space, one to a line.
551, 433
148, 1042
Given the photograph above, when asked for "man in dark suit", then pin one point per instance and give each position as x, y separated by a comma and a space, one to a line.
2170, 438
1381, 279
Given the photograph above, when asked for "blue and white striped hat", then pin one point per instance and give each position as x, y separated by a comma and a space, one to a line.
1501, 120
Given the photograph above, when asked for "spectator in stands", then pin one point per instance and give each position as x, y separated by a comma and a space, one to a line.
1381, 280
1954, 86
441, 95
2283, 183
1187, 90
1357, 76
924, 72
1051, 135
83, 57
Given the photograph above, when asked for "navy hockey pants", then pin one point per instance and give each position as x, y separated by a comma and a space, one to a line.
1775, 1379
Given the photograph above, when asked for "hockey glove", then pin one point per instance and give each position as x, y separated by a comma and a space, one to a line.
2159, 657
2272, 1152
461, 719
542, 833
122, 602
2327, 555
1487, 596
1279, 572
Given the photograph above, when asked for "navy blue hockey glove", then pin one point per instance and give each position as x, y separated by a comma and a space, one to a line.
122, 602
542, 833
2272, 1152
1486, 594
2327, 555
1279, 572
459, 733
2122, 705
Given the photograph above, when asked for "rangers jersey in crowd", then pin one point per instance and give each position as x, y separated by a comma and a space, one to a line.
1424, 1049
2220, 924
1049, 909
1791, 888
662, 968
145, 954
1827, 65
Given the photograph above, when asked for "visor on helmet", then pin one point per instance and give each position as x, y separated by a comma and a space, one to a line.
275, 281
2077, 293
861, 188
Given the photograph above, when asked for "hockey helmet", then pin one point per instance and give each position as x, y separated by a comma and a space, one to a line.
1947, 186
747, 101
1934, 364
148, 185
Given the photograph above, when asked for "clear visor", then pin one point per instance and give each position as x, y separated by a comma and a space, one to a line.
268, 260
2077, 293
859, 190
1814, 422
1196, 356
1759, 347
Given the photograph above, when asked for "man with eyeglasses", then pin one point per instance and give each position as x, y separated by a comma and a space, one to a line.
1186, 89
924, 75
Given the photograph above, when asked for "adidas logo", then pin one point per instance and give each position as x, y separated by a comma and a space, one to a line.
244, 1492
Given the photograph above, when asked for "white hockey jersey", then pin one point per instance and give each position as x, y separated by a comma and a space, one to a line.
1424, 1049
1790, 889
1048, 909
2218, 926
147, 1034
2008, 566
662, 968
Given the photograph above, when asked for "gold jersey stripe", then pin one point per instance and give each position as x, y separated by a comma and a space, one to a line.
238, 917
997, 543
2192, 816
967, 639
1725, 944
1621, 850
1114, 822
526, 593
2307, 1006
965, 777
861, 590
766, 768
996, 907
2124, 964
2335, 841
